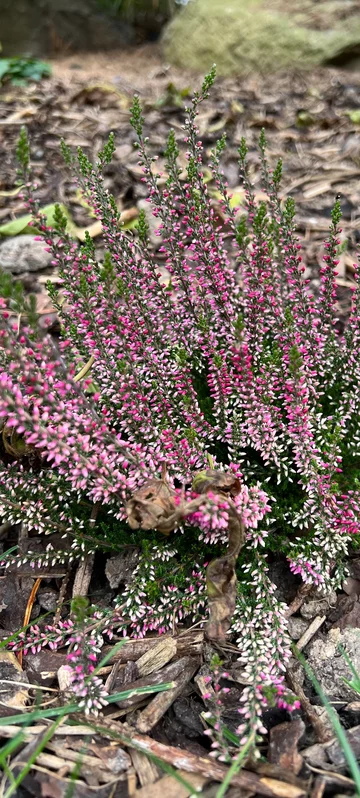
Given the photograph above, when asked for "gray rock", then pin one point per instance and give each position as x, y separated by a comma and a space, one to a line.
120, 568
330, 667
262, 36
297, 627
43, 27
22, 254
335, 751
47, 598
319, 605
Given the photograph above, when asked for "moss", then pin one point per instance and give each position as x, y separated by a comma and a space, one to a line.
243, 36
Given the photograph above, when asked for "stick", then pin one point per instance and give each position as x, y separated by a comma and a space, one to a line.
183, 760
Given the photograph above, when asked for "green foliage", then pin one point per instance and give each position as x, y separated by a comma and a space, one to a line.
173, 96
20, 71
107, 152
23, 150
136, 119
142, 227
13, 291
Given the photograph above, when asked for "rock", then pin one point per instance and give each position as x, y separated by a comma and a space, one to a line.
47, 598
347, 613
330, 667
119, 569
42, 667
297, 627
283, 749
11, 671
187, 712
260, 35
44, 27
14, 594
319, 605
23, 254
351, 586
354, 565
286, 583
336, 753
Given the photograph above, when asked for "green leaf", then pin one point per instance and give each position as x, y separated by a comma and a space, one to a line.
354, 116
21, 224
4, 66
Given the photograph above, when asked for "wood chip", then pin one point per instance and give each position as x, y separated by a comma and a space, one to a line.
157, 707
170, 788
187, 644
157, 656
190, 763
83, 576
311, 631
146, 770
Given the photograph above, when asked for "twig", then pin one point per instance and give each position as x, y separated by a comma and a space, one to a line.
299, 599
323, 734
186, 761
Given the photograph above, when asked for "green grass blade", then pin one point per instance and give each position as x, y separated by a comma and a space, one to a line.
11, 746
338, 729
40, 714
156, 688
46, 737
355, 683
235, 767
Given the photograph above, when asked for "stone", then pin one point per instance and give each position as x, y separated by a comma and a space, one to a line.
22, 254
330, 667
335, 752
12, 694
261, 35
45, 27
350, 616
297, 627
119, 569
319, 605
48, 598
351, 586
42, 668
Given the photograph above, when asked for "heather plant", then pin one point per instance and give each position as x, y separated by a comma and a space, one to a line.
210, 422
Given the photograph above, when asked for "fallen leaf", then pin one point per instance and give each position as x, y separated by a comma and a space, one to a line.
151, 505
128, 219
221, 580
21, 224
